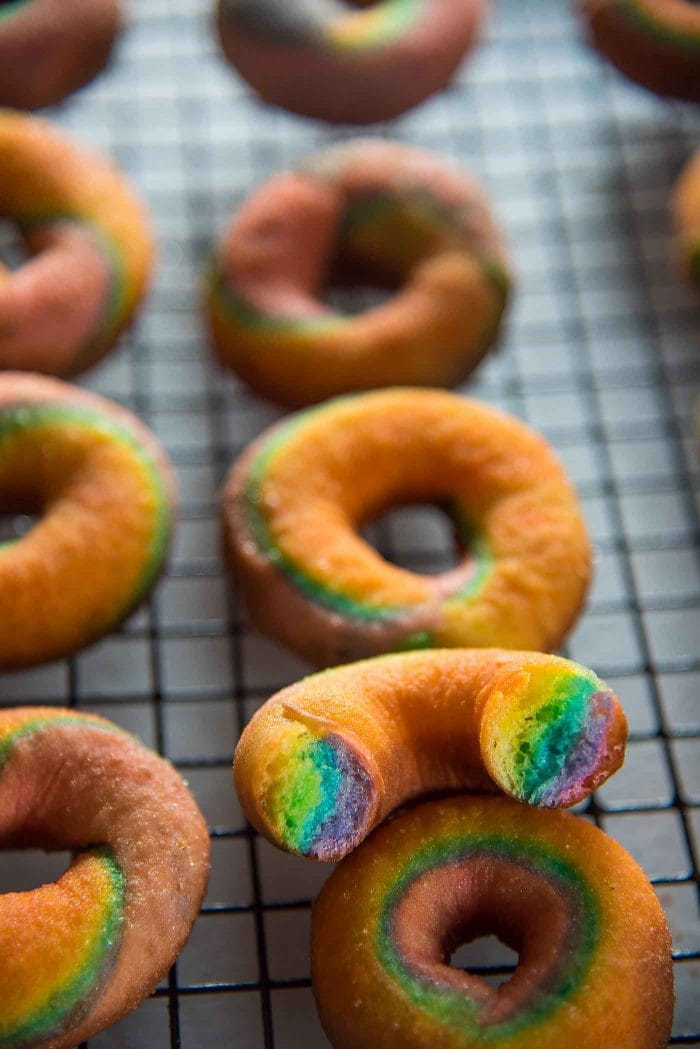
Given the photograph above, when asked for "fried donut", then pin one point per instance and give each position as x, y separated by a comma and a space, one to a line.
295, 499
656, 43
324, 761
687, 215
90, 244
595, 951
322, 59
50, 48
105, 491
399, 214
77, 955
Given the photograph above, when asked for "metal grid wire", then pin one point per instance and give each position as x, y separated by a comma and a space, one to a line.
602, 355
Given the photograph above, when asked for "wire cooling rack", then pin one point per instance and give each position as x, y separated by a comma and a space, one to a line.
602, 355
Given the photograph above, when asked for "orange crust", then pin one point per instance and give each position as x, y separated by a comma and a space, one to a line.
295, 499
71, 781
686, 212
595, 950
50, 48
107, 494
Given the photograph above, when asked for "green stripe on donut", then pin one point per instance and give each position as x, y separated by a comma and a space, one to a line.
29, 728
454, 1008
324, 593
248, 316
655, 25
376, 25
695, 263
14, 420
8, 10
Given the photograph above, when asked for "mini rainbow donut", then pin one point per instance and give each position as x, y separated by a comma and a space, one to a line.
294, 502
324, 761
50, 48
382, 209
595, 951
106, 493
91, 246
77, 955
686, 205
322, 59
656, 43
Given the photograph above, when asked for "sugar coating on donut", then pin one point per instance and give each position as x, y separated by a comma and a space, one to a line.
317, 792
551, 735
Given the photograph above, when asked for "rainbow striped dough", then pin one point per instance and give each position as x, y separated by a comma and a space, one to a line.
105, 491
50, 48
294, 503
323, 59
686, 204
91, 249
378, 209
595, 951
656, 43
324, 761
78, 954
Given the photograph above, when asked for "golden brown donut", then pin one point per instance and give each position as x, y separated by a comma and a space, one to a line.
78, 954
686, 206
50, 48
325, 760
295, 501
380, 211
656, 43
595, 951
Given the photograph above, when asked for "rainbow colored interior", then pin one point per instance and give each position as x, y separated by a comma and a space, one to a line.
26, 428
56, 946
454, 1007
317, 792
322, 591
550, 736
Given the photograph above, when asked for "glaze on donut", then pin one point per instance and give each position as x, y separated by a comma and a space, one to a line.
324, 59
295, 501
656, 43
324, 761
382, 209
687, 215
50, 48
90, 246
595, 951
105, 491
78, 954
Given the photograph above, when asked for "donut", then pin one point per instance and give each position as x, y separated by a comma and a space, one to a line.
687, 215
322, 59
398, 214
78, 954
656, 43
105, 492
90, 245
324, 761
294, 502
50, 48
595, 952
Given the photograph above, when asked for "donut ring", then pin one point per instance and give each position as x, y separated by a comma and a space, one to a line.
321, 59
687, 215
50, 48
77, 955
295, 499
656, 43
90, 244
106, 493
385, 209
595, 951
324, 761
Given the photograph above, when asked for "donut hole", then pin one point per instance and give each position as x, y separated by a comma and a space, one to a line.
28, 869
13, 250
487, 957
420, 537
14, 525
